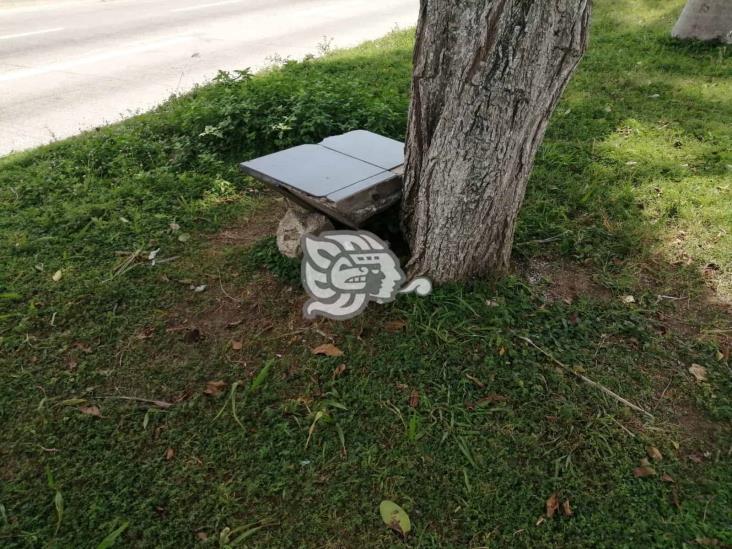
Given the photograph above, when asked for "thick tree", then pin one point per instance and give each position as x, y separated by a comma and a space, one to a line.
487, 76
707, 20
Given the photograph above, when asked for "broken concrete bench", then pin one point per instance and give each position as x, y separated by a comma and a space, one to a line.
346, 178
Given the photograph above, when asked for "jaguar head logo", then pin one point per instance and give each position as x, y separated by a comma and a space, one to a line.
343, 270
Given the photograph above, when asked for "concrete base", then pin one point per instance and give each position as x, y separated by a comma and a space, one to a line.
296, 223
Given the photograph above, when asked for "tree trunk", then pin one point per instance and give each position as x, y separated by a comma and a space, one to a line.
708, 20
487, 76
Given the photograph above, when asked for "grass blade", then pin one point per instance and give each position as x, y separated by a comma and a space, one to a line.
112, 537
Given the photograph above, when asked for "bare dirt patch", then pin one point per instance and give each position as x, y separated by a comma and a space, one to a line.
565, 281
244, 316
247, 315
263, 222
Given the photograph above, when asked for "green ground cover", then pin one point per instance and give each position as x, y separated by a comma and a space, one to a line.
441, 405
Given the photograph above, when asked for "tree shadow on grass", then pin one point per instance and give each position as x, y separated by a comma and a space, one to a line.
643, 115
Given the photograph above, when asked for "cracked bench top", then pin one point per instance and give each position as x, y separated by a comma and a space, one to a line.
337, 168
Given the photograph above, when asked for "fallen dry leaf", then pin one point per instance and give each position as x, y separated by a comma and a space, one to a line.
567, 509
57, 276
237, 345
146, 333
674, 496
627, 299
641, 472
654, 453
414, 399
667, 478
394, 326
491, 399
327, 349
709, 542
338, 372
552, 505
90, 411
699, 372
169, 454
214, 388
83, 347
203, 536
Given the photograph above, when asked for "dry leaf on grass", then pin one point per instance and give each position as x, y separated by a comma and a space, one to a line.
491, 399
237, 345
146, 333
338, 372
654, 453
169, 454
394, 326
699, 372
414, 399
90, 411
327, 349
667, 478
645, 471
83, 347
709, 542
552, 505
214, 388
627, 299
567, 509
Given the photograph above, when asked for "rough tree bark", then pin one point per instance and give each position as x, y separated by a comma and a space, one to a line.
707, 20
487, 76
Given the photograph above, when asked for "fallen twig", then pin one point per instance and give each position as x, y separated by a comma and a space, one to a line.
543, 240
126, 265
663, 394
158, 403
587, 379
221, 285
166, 260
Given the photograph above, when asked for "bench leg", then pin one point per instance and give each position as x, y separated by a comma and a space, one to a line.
297, 222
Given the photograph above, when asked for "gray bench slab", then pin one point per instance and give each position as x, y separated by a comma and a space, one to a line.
349, 177
369, 147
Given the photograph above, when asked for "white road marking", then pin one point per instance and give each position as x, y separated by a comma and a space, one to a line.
204, 6
66, 65
32, 33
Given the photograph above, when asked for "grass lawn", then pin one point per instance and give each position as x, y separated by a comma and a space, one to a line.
179, 404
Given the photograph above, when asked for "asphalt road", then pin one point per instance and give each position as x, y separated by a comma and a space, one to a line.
69, 66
